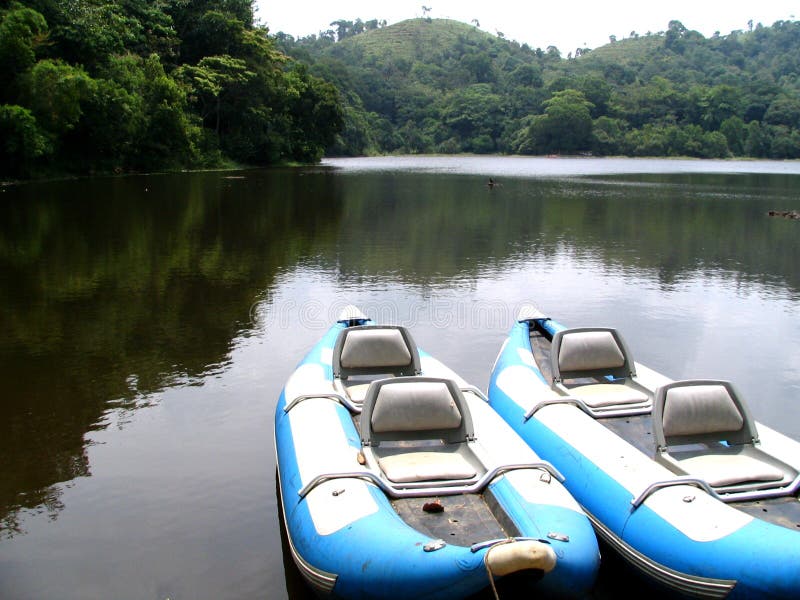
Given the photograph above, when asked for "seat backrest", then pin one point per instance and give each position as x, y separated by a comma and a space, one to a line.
701, 411
415, 408
590, 352
375, 350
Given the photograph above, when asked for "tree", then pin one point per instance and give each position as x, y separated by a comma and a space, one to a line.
715, 145
735, 132
566, 125
785, 143
211, 27
608, 135
527, 75
216, 33
720, 103
210, 80
479, 66
343, 29
757, 143
169, 134
106, 135
55, 93
784, 110
649, 140
474, 116
553, 53
658, 100
316, 115
674, 39
356, 137
21, 141
22, 32
89, 32
597, 91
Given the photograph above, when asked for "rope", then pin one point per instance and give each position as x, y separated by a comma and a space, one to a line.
489, 569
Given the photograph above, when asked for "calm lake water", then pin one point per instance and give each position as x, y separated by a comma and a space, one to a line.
147, 325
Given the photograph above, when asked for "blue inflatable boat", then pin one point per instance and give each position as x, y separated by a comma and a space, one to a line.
398, 480
675, 475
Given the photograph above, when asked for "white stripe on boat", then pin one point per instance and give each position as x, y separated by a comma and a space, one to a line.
322, 447
496, 439
319, 579
704, 519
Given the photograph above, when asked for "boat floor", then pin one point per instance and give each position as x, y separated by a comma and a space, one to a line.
638, 431
466, 519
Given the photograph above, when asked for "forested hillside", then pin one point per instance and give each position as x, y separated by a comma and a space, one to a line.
132, 85
429, 85
97, 86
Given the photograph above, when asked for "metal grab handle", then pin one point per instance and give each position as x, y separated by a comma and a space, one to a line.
412, 491
489, 543
560, 400
346, 402
355, 408
658, 485
637, 409
320, 479
475, 390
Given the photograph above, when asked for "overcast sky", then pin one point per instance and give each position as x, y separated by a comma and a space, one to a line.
564, 24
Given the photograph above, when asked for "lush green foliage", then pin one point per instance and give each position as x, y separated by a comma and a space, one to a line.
118, 85
429, 85
131, 85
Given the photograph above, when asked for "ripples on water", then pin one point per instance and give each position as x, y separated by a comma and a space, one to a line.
149, 323
524, 166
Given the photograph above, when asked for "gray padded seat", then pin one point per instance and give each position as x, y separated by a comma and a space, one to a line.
418, 430
594, 352
365, 352
703, 429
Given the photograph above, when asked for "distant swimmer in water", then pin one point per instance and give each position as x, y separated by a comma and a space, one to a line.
492, 183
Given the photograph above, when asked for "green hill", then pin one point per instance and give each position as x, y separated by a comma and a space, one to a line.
434, 85
415, 39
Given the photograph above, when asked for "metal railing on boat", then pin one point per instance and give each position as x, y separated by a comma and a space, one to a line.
354, 407
411, 491
594, 413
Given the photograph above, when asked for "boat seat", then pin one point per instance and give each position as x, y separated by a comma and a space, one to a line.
702, 428
593, 365
356, 390
426, 466
417, 431
365, 353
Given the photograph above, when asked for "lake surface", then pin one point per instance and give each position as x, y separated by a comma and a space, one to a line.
147, 325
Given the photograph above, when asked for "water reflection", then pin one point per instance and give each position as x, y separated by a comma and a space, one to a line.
434, 228
197, 294
116, 288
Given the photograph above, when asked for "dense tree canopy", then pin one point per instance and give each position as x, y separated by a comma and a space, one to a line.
131, 85
118, 85
429, 85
